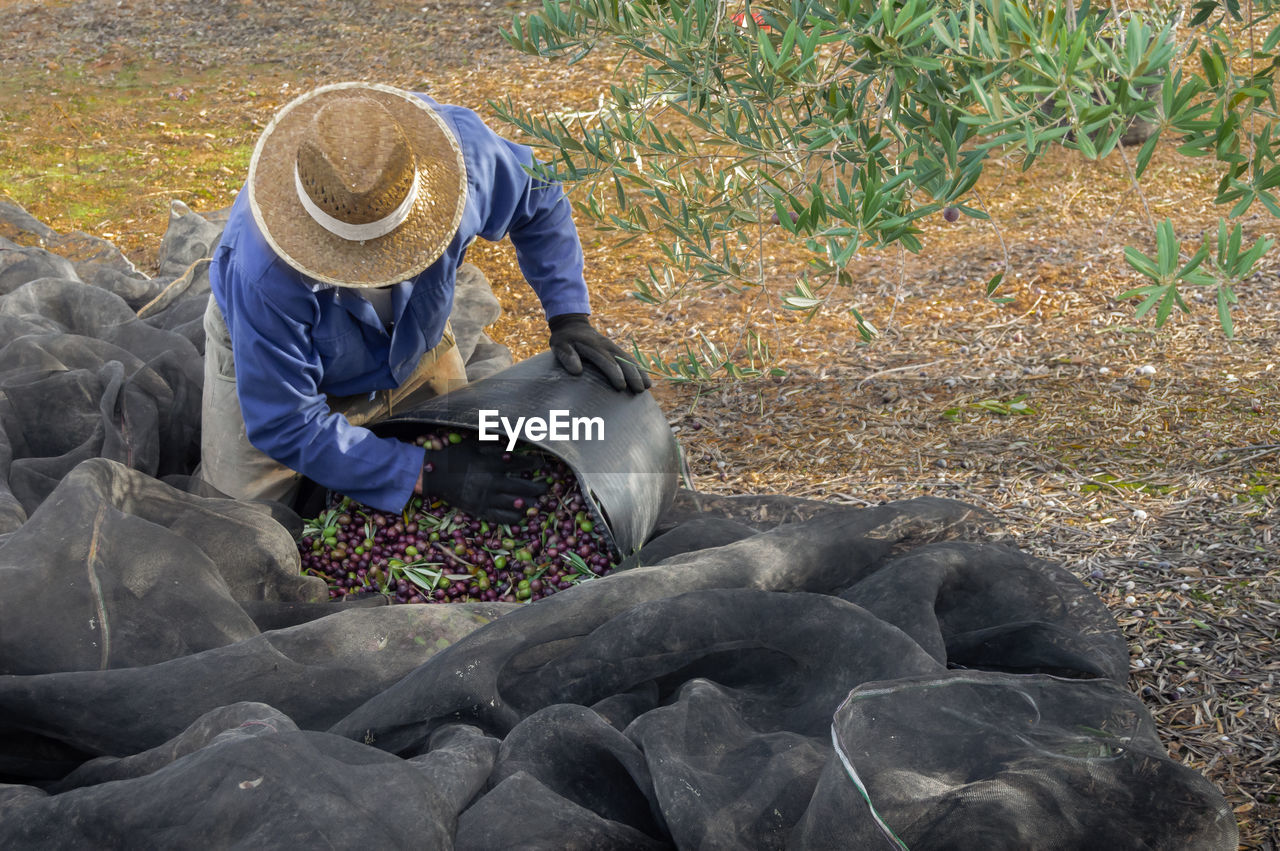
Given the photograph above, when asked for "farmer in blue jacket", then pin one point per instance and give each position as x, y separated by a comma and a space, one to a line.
333, 284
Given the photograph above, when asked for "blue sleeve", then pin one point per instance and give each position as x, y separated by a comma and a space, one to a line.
536, 215
287, 417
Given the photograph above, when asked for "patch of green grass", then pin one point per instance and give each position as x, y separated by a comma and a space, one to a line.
1107, 481
105, 150
86, 211
1259, 487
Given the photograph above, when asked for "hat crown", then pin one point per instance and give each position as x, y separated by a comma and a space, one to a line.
356, 163
385, 184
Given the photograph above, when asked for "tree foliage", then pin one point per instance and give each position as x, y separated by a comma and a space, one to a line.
845, 122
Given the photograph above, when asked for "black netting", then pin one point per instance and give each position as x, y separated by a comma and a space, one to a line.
83, 377
764, 673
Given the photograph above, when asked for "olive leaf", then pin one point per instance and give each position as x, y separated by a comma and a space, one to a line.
841, 126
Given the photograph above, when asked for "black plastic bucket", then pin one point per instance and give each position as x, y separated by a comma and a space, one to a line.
625, 456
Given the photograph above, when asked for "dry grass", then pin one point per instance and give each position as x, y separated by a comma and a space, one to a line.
1158, 490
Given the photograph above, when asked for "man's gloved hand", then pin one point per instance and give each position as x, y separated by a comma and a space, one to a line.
473, 477
573, 340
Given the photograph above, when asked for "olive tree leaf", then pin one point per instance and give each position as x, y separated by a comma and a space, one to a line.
843, 125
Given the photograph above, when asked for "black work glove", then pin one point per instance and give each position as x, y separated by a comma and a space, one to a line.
574, 340
473, 477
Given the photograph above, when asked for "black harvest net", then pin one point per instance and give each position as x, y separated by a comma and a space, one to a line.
762, 672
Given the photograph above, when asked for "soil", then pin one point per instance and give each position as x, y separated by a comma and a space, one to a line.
1144, 460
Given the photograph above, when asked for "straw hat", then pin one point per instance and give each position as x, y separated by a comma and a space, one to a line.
358, 184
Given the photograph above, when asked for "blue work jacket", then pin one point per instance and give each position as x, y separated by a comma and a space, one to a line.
294, 339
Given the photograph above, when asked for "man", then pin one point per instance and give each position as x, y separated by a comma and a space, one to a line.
332, 287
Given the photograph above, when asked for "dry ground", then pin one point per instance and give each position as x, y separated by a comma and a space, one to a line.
1158, 489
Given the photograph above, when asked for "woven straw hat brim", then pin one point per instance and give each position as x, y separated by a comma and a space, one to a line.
315, 252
